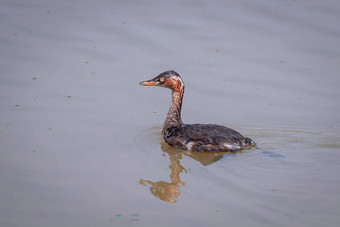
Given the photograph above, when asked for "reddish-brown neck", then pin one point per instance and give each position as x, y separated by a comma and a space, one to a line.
174, 115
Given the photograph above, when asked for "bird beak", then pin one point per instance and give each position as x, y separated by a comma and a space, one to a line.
148, 83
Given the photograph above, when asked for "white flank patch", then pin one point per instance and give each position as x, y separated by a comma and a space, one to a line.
230, 146
189, 145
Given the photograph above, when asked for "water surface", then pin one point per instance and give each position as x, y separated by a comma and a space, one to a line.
80, 141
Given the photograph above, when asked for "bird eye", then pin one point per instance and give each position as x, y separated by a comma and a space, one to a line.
161, 79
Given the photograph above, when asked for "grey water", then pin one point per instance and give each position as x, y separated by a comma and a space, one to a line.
80, 140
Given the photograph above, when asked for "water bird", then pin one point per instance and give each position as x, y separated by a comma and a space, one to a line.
194, 137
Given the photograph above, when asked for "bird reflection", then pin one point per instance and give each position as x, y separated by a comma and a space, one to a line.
169, 191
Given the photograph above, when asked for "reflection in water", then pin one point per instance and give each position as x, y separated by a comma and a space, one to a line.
164, 190
168, 191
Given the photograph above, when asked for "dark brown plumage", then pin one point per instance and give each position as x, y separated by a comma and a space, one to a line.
194, 137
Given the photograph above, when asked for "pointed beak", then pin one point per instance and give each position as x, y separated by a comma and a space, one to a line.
148, 83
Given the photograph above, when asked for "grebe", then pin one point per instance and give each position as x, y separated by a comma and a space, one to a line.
194, 137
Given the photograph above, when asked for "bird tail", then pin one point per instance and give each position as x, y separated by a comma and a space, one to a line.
250, 142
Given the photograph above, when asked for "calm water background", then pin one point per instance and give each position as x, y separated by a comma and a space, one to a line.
80, 141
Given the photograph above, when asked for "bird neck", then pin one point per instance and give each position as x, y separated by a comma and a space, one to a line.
173, 118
